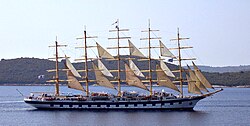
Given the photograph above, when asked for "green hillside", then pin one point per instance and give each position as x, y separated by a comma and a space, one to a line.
27, 70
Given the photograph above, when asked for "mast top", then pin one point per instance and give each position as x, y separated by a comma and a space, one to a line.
117, 22
149, 23
178, 36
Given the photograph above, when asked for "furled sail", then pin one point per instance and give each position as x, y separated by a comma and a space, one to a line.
194, 78
132, 79
133, 50
135, 69
163, 80
103, 69
165, 51
71, 75
103, 53
201, 77
165, 68
192, 88
101, 79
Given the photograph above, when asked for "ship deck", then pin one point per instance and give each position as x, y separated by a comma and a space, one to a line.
117, 103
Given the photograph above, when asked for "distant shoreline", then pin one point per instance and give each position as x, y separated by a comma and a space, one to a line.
216, 86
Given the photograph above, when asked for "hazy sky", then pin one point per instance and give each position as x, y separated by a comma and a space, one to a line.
219, 30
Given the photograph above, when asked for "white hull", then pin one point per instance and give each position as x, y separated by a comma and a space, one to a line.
171, 104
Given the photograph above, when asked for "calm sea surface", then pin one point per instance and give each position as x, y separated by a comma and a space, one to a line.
230, 107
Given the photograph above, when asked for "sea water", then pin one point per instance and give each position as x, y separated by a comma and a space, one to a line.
231, 107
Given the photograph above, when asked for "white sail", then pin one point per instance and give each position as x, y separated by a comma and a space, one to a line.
135, 69
165, 51
163, 80
133, 50
71, 67
192, 88
132, 79
101, 79
73, 82
103, 53
201, 77
165, 68
194, 78
71, 75
103, 69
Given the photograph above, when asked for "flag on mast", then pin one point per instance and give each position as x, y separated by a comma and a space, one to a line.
115, 22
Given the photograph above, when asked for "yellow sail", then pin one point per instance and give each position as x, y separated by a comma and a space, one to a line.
197, 82
132, 79
201, 77
163, 80
103, 53
165, 68
103, 69
71, 75
192, 88
133, 50
101, 79
165, 51
73, 82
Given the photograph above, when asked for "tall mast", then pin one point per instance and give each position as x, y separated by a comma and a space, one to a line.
180, 59
86, 59
86, 63
57, 92
149, 60
57, 71
118, 30
149, 55
118, 56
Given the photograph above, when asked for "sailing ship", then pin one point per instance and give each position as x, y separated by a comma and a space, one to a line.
196, 81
